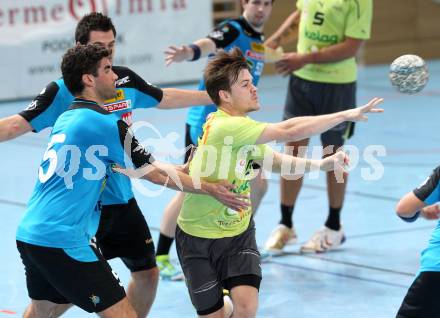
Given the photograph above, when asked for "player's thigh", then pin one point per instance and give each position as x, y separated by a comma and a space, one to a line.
299, 98
336, 98
121, 309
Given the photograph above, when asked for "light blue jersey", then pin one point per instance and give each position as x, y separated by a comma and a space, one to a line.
63, 211
133, 92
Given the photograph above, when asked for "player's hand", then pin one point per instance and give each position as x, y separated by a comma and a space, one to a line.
359, 113
185, 167
288, 63
337, 162
178, 54
431, 212
272, 43
221, 191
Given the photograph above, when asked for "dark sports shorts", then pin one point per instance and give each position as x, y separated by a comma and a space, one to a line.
209, 265
123, 232
422, 298
307, 98
53, 275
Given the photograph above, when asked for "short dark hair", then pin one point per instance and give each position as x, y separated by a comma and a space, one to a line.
80, 60
94, 21
222, 72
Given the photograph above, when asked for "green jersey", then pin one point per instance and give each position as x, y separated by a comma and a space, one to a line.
225, 152
328, 22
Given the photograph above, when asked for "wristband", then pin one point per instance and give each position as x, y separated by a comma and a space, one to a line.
411, 219
197, 52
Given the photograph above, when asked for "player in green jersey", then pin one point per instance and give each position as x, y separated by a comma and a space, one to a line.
216, 245
322, 81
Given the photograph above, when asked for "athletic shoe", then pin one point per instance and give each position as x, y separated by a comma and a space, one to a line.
167, 270
323, 240
280, 236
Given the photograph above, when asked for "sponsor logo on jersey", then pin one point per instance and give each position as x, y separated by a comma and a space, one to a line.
255, 55
257, 47
114, 107
324, 38
122, 81
119, 96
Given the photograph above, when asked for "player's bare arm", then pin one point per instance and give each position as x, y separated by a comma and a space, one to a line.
293, 61
299, 128
200, 48
286, 33
13, 126
181, 98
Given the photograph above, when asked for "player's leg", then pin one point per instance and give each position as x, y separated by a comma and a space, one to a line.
241, 272
334, 98
167, 229
169, 219
297, 103
121, 309
44, 308
245, 300
128, 237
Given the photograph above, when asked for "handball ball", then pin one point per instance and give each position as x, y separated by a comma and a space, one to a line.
409, 74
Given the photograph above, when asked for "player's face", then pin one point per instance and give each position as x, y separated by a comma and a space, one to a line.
257, 11
105, 81
107, 39
244, 96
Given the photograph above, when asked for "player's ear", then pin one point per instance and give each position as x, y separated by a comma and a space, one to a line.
88, 80
225, 96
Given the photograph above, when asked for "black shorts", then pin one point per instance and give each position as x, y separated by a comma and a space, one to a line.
123, 232
307, 98
53, 275
209, 265
422, 298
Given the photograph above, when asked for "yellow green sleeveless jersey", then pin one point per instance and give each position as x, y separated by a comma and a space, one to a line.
225, 152
328, 22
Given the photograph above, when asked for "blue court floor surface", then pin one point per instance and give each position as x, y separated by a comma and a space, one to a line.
367, 277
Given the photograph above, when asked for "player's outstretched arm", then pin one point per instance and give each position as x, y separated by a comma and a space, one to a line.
300, 128
172, 177
286, 33
192, 52
181, 98
296, 166
13, 126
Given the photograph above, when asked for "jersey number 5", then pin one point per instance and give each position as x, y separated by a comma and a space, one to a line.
50, 155
318, 19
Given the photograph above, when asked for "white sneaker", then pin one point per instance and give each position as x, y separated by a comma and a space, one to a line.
280, 237
323, 240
